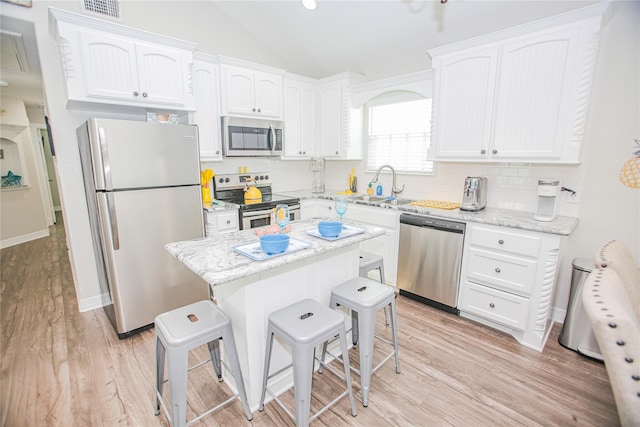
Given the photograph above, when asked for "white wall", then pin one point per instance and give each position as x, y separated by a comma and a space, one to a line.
612, 125
22, 216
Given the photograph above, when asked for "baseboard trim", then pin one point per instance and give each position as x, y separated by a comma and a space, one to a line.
558, 315
24, 238
88, 304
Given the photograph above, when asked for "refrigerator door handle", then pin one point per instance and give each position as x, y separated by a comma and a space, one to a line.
113, 221
106, 166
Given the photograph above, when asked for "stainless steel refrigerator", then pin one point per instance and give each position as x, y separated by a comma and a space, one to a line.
142, 184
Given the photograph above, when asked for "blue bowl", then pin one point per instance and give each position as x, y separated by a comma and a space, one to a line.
274, 243
329, 228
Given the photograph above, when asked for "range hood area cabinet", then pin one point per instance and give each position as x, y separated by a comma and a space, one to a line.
108, 63
249, 91
516, 95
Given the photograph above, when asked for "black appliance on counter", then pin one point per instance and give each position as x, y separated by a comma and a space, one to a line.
230, 188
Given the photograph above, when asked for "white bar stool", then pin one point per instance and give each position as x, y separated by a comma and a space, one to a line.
366, 297
303, 326
177, 332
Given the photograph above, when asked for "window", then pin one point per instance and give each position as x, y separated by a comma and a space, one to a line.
398, 132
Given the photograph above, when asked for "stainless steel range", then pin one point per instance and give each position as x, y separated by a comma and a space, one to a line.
230, 188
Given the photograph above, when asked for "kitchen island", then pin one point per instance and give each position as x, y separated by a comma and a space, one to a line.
248, 290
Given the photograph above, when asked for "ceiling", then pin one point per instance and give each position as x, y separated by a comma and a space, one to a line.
378, 39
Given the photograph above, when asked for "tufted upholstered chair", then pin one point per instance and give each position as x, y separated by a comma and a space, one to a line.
611, 298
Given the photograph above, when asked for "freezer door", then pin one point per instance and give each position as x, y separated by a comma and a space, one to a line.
128, 154
145, 280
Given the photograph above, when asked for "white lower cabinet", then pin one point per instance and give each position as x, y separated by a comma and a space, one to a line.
386, 245
507, 281
217, 222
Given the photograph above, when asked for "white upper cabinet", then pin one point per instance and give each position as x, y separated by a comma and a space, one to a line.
463, 103
518, 95
207, 113
247, 92
340, 124
299, 119
111, 64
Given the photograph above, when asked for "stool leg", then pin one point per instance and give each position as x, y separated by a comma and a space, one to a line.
232, 354
347, 369
302, 377
160, 355
267, 362
386, 316
394, 332
368, 326
178, 367
354, 327
214, 352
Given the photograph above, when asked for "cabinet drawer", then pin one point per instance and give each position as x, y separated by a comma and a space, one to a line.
503, 240
227, 221
509, 273
380, 217
494, 305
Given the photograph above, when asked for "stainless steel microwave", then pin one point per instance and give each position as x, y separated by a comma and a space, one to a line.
244, 137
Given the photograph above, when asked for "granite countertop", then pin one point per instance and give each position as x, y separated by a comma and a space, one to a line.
215, 260
523, 220
218, 205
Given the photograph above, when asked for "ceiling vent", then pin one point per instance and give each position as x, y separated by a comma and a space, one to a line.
104, 8
13, 56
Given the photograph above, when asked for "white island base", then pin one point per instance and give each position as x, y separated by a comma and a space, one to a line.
249, 301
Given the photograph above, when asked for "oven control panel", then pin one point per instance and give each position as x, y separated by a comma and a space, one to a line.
238, 180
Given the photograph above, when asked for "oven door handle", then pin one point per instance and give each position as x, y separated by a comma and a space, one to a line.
253, 214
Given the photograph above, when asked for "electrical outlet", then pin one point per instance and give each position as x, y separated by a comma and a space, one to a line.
1, 153
571, 197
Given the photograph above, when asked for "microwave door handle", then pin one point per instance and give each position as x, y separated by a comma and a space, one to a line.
272, 137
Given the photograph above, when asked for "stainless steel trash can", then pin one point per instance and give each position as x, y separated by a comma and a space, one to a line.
576, 331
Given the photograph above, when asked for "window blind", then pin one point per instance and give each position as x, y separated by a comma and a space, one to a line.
399, 134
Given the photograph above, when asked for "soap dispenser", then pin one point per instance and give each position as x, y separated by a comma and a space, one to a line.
379, 190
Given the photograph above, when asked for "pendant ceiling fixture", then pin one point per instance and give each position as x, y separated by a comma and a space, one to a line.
309, 4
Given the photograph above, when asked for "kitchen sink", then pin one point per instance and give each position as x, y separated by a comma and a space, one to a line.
370, 199
395, 202
380, 200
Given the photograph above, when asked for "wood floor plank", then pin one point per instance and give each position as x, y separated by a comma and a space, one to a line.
59, 367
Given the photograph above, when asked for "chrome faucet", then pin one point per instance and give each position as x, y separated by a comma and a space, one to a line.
394, 190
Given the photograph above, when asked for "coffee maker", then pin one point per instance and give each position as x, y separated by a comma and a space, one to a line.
474, 197
548, 190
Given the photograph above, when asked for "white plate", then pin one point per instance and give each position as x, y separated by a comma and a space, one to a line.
255, 252
347, 231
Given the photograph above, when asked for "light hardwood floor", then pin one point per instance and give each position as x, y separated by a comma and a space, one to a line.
60, 367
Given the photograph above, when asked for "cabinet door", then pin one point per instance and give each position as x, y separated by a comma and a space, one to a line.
110, 69
299, 119
463, 102
238, 91
534, 94
160, 74
268, 95
331, 120
308, 119
292, 119
207, 115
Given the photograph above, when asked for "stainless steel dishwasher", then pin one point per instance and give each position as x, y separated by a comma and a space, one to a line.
429, 260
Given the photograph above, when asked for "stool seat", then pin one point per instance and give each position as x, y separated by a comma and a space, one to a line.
369, 261
303, 326
365, 297
177, 332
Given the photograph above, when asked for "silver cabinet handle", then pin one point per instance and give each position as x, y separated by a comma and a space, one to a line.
497, 270
483, 151
253, 109
337, 152
259, 110
144, 94
136, 93
495, 152
492, 305
217, 151
228, 221
501, 242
